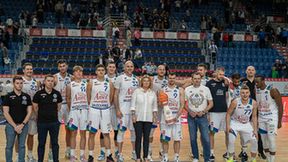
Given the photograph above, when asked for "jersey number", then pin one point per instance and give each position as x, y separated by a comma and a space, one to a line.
247, 112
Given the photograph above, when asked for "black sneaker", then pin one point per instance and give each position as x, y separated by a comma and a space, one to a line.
109, 158
240, 155
212, 158
225, 156
244, 156
262, 156
90, 158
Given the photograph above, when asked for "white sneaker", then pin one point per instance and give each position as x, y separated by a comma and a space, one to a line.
50, 156
150, 157
134, 156
195, 160
31, 159
102, 156
120, 158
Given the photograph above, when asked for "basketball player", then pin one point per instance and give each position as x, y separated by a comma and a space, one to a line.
217, 114
270, 112
76, 97
61, 80
172, 130
125, 85
158, 82
30, 86
111, 75
100, 95
238, 121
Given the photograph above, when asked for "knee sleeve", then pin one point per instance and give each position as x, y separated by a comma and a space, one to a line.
231, 143
120, 136
101, 136
254, 145
115, 135
242, 142
272, 142
132, 136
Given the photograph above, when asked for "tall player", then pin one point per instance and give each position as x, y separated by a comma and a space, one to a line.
111, 75
76, 97
62, 79
158, 82
238, 121
172, 130
100, 96
124, 87
270, 110
30, 86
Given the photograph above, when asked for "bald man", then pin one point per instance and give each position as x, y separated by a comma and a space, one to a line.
250, 82
125, 85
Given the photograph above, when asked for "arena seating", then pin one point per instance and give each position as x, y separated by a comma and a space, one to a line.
236, 59
44, 53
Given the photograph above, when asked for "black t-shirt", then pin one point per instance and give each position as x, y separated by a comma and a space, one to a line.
17, 105
251, 86
47, 105
218, 91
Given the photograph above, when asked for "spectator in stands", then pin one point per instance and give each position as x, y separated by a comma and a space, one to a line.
68, 9
213, 51
203, 25
274, 73
284, 37
9, 22
59, 11
126, 53
128, 37
4, 53
285, 68
137, 36
22, 19
115, 34
278, 67
183, 25
225, 39
34, 21
177, 5
262, 37
40, 13
137, 57
217, 37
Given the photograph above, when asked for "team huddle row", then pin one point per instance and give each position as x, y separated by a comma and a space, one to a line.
121, 102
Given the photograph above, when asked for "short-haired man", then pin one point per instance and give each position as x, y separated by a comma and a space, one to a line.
78, 111
30, 86
62, 79
17, 108
111, 75
172, 128
199, 101
238, 121
100, 96
270, 112
125, 85
46, 104
217, 113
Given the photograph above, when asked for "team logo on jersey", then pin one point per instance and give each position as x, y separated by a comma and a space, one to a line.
129, 92
80, 97
24, 102
172, 103
101, 96
196, 99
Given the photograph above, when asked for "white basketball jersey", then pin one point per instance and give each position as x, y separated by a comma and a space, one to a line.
78, 95
30, 87
173, 100
204, 80
267, 107
159, 84
112, 79
100, 95
62, 84
126, 89
242, 113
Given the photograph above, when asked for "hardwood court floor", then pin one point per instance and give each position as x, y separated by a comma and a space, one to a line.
282, 146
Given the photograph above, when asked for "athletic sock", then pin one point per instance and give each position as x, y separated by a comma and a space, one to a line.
82, 152
90, 152
108, 152
30, 155
212, 151
272, 158
72, 152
